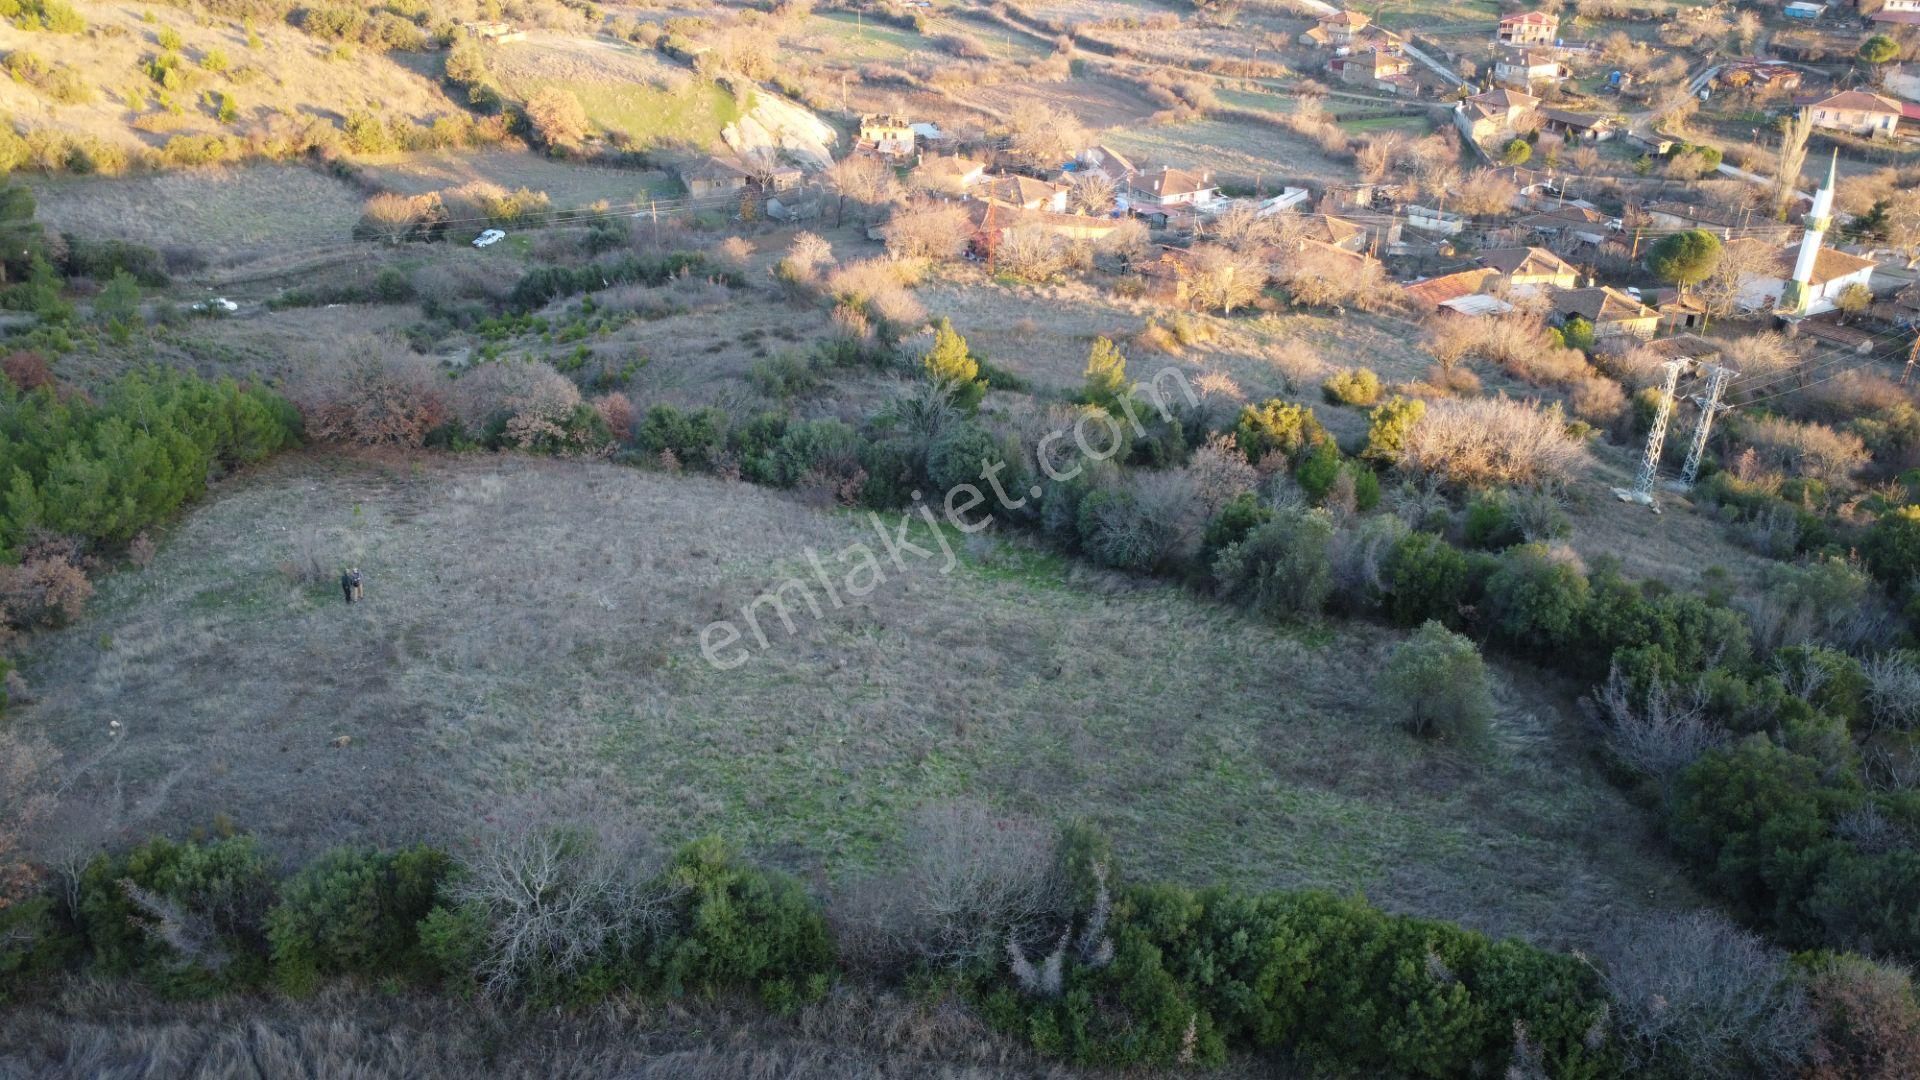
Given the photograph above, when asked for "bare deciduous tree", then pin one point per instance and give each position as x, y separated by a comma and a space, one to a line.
1045, 134
1491, 442
1697, 992
1792, 156
936, 231
558, 899
371, 391
1222, 279
1657, 734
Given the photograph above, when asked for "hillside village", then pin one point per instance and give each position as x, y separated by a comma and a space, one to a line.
997, 539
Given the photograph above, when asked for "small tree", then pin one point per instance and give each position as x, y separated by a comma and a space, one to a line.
953, 368
1106, 375
1436, 684
1387, 433
1686, 258
1517, 152
557, 116
1854, 299
1879, 49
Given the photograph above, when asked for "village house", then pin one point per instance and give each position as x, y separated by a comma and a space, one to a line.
1902, 309
1832, 272
1493, 115
1568, 229
1580, 127
1338, 30
992, 221
1527, 268
1327, 229
1856, 112
887, 136
1609, 311
1529, 28
1525, 68
1168, 187
948, 174
1462, 293
1897, 13
714, 177
1025, 192
1760, 76
1679, 311
1108, 163
1376, 69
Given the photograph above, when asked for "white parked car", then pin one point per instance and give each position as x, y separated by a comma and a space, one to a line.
219, 305
488, 238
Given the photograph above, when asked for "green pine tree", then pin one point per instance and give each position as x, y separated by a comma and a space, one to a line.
950, 365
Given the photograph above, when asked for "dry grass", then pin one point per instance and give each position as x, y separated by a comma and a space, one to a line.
100, 1030
224, 215
529, 628
1237, 153
288, 72
626, 90
568, 184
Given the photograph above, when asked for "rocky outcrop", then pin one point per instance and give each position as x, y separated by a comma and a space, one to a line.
783, 129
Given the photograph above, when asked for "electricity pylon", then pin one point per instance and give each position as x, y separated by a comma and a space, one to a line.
1656, 436
1710, 404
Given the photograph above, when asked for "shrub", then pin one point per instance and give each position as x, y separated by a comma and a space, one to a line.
1283, 568
1491, 442
693, 438
1278, 427
733, 925
1867, 1016
1427, 580
557, 117
187, 918
1354, 386
1754, 818
1387, 431
952, 367
1142, 524
1436, 684
1810, 450
1534, 599
1892, 548
1238, 517
354, 912
1501, 519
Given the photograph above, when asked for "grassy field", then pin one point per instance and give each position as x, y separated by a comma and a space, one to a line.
850, 37
626, 91
568, 184
1412, 125
529, 634
225, 215
1237, 153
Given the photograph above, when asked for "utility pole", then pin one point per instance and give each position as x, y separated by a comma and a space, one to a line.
1656, 436
1913, 354
1717, 379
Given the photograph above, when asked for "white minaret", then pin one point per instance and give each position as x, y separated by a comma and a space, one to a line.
1793, 300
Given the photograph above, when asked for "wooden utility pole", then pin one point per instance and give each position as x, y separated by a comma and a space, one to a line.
1913, 355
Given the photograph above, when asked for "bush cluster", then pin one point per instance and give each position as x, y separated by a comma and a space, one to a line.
197, 919
106, 469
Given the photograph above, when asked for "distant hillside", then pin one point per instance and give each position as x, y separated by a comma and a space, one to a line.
137, 79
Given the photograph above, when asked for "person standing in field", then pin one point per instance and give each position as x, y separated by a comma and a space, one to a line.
350, 584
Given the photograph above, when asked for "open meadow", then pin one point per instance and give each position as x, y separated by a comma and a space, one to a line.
530, 636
